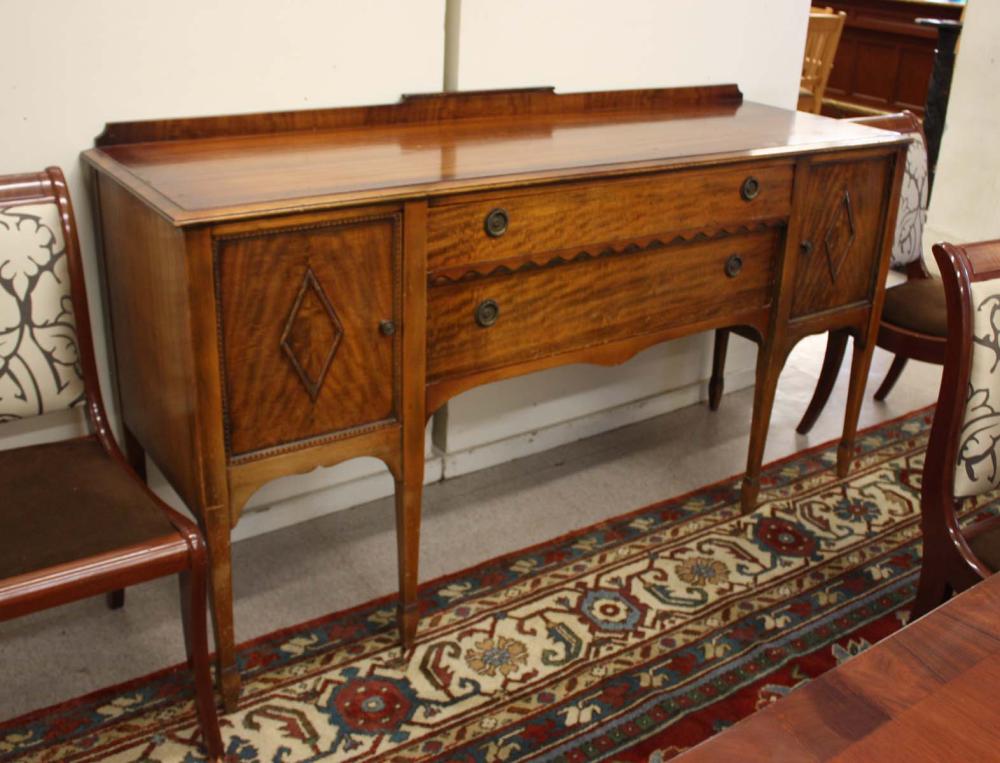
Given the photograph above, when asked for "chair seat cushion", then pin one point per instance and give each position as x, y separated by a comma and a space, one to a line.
66, 501
986, 545
917, 305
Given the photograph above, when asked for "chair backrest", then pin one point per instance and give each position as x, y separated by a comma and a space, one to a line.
907, 245
822, 38
46, 354
963, 455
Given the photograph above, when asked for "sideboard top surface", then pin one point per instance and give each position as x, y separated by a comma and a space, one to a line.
195, 171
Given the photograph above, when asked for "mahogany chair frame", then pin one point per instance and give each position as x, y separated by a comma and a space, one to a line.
904, 343
949, 563
183, 552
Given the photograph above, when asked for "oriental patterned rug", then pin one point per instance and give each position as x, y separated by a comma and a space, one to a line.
627, 641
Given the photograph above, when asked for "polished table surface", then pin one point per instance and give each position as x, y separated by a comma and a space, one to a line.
926, 693
219, 176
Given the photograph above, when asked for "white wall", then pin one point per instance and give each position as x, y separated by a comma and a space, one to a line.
597, 45
965, 202
72, 66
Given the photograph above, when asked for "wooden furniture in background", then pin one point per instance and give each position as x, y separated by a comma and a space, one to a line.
885, 58
822, 36
292, 290
963, 452
913, 319
75, 520
939, 88
923, 695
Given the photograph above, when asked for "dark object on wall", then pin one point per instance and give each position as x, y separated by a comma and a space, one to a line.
885, 58
939, 89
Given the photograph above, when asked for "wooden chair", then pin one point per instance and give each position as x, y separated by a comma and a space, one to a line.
913, 323
963, 453
822, 38
75, 519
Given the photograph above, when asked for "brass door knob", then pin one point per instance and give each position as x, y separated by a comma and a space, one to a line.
496, 222
487, 313
386, 328
734, 264
750, 188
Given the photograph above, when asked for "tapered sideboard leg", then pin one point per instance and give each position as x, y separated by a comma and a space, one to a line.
770, 361
216, 528
408, 497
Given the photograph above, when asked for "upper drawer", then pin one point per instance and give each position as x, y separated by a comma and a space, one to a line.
556, 218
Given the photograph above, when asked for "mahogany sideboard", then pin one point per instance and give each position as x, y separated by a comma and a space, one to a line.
291, 290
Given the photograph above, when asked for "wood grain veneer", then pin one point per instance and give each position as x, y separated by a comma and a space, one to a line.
582, 214
596, 300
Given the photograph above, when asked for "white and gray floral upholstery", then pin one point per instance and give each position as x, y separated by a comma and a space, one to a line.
979, 440
907, 246
39, 362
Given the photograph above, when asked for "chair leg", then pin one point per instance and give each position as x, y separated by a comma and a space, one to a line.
116, 598
836, 343
898, 364
716, 383
194, 594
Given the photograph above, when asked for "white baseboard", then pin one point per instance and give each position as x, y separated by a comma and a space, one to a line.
527, 443
318, 503
372, 486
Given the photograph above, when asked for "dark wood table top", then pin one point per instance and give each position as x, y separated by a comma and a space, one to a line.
926, 693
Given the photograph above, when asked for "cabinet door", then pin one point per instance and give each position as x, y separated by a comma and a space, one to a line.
304, 351
841, 231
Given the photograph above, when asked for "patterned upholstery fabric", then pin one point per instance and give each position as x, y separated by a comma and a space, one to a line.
979, 441
39, 363
907, 246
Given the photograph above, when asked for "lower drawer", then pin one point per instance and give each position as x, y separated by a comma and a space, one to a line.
586, 303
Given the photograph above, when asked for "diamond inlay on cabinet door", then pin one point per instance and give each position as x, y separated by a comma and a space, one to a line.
312, 334
840, 233
839, 236
303, 356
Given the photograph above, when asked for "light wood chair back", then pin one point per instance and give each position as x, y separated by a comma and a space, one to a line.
822, 38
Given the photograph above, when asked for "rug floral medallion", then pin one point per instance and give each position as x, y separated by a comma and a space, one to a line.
628, 641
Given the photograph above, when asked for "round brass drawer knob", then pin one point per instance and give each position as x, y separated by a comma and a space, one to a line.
734, 264
750, 188
496, 222
387, 328
487, 313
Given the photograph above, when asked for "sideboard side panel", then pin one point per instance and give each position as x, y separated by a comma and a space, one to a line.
144, 262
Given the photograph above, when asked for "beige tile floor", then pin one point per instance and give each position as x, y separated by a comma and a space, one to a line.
347, 558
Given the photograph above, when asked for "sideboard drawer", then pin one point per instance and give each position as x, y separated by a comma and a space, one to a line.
503, 320
841, 233
306, 343
556, 218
